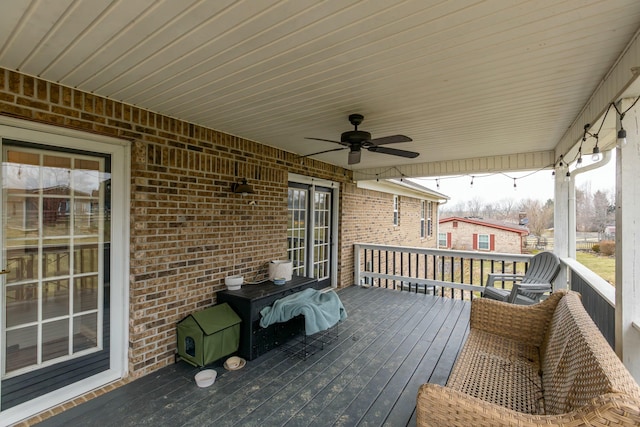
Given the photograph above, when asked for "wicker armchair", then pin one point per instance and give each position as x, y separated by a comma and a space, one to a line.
527, 288
550, 367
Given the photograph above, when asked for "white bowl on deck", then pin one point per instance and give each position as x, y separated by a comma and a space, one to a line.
206, 377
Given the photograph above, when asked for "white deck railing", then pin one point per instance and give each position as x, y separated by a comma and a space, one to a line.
462, 274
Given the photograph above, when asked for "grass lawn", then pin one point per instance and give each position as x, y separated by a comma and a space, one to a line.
603, 266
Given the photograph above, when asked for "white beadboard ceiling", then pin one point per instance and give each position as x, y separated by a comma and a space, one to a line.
463, 78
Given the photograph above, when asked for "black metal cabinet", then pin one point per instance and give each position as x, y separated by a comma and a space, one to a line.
247, 303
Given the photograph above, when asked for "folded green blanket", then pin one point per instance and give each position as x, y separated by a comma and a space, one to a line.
321, 310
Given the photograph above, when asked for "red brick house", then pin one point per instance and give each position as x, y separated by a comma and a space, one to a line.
481, 235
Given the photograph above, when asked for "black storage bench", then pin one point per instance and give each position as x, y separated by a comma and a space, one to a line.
250, 299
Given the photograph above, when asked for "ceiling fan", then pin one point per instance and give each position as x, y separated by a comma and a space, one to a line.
355, 140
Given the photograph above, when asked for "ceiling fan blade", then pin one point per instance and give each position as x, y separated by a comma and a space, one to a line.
325, 151
354, 157
394, 152
391, 139
327, 140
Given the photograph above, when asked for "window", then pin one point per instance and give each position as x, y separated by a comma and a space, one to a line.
429, 219
483, 242
442, 240
422, 219
396, 211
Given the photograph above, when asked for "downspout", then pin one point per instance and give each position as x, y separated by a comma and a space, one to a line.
565, 216
606, 156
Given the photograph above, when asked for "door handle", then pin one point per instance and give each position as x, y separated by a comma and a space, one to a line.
5, 272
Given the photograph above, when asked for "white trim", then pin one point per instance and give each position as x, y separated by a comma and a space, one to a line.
335, 217
119, 150
396, 210
393, 188
439, 246
423, 219
488, 248
509, 162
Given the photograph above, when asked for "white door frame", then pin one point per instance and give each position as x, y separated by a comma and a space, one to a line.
119, 150
335, 204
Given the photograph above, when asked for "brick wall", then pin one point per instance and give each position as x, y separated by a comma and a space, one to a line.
462, 237
188, 230
368, 218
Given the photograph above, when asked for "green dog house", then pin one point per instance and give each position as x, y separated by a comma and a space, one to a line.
208, 335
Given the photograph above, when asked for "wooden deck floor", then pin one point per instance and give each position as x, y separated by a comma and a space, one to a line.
390, 344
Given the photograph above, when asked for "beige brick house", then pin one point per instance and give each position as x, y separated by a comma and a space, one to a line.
481, 235
158, 226
126, 126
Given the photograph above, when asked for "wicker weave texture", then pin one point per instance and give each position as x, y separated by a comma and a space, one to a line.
577, 362
445, 407
501, 371
497, 380
517, 322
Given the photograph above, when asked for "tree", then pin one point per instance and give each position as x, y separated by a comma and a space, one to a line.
539, 216
474, 207
603, 212
584, 208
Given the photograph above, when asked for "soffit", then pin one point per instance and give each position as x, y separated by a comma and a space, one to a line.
464, 79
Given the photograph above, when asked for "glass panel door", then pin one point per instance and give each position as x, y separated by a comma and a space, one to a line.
55, 227
321, 234
297, 230
310, 212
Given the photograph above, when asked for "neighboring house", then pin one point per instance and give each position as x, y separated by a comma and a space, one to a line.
481, 235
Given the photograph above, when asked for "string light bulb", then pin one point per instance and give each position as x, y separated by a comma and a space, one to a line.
595, 156
567, 177
472, 181
515, 187
438, 183
622, 137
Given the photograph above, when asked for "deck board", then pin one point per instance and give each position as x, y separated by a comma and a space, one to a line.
390, 344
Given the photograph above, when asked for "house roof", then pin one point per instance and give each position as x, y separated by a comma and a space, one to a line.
498, 82
500, 225
403, 187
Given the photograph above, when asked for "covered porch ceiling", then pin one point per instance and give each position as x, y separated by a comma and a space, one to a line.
464, 79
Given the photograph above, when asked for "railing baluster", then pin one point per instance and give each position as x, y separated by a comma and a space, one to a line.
386, 268
457, 269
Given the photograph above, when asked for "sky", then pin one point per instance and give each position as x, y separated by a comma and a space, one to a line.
535, 185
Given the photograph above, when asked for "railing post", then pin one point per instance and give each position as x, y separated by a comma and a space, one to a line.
627, 242
356, 264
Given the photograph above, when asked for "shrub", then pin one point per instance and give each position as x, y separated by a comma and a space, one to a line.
596, 248
607, 247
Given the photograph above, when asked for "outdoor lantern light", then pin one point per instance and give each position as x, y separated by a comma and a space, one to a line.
242, 187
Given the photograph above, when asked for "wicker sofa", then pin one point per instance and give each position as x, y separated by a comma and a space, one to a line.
545, 364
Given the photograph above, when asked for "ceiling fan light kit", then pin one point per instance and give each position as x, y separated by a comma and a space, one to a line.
355, 140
